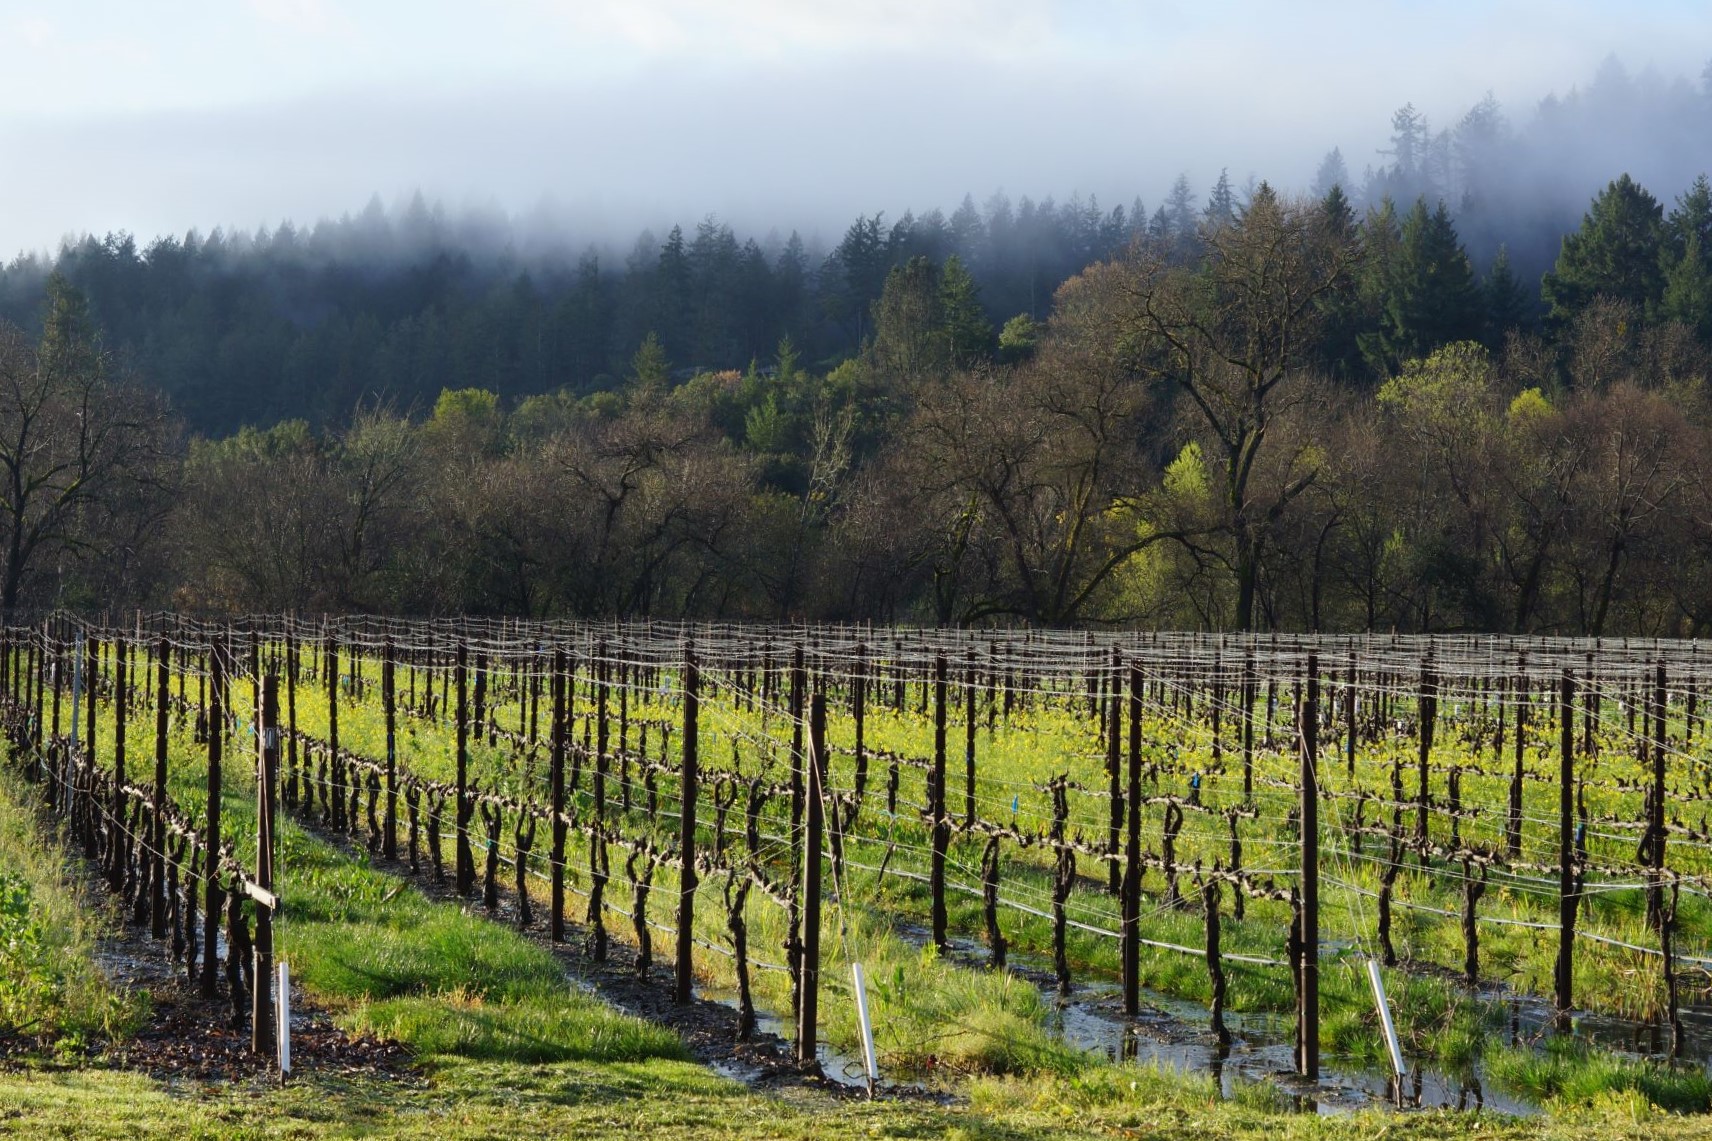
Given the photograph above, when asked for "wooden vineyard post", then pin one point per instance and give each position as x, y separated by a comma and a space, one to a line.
1513, 821
157, 829
1498, 729
809, 1007
687, 823
41, 672
115, 869
793, 909
799, 679
262, 1039
1063, 879
1114, 775
51, 769
969, 743
858, 710
1589, 706
481, 713
990, 900
291, 756
338, 765
1349, 716
556, 778
1248, 688
1428, 715
389, 700
1308, 999
58, 680
1132, 858
211, 891
1567, 895
1655, 813
1218, 703
465, 858
936, 807
92, 690
598, 861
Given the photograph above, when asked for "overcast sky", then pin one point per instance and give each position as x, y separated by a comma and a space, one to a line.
174, 114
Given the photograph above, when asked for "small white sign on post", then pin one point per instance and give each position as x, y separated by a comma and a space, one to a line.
282, 1019
861, 988
1391, 1045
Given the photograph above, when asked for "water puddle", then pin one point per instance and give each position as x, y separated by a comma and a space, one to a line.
1172, 1034
835, 1065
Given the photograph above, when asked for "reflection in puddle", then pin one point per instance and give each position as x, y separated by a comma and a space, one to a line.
1172, 1034
836, 1065
1167, 1034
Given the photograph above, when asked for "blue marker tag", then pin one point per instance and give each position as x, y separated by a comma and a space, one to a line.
1014, 802
1195, 781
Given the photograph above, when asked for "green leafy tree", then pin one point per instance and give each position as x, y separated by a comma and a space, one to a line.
466, 421
1018, 339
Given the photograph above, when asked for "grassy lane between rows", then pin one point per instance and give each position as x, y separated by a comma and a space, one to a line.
53, 997
443, 981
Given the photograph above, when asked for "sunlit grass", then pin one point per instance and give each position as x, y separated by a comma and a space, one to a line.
51, 990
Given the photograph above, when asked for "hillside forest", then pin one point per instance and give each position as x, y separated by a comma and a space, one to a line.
1435, 396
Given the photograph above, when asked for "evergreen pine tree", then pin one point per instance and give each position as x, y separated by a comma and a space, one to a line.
1382, 239
674, 297
1333, 173
650, 368
1616, 253
967, 329
1221, 204
1342, 312
1182, 221
1688, 289
1433, 299
1506, 302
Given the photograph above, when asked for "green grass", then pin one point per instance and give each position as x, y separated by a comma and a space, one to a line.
1569, 1074
51, 990
444, 982
467, 1100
